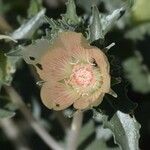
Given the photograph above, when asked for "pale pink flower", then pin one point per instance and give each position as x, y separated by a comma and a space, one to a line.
74, 73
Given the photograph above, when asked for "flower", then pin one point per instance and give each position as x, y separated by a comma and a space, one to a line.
74, 73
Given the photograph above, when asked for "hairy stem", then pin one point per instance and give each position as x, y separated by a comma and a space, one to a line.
73, 134
42, 132
13, 134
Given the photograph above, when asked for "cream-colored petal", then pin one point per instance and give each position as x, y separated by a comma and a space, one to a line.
55, 65
82, 103
72, 40
86, 102
99, 100
57, 96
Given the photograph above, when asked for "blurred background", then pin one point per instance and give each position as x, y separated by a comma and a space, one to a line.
132, 54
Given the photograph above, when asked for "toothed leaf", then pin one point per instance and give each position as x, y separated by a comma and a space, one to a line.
125, 129
28, 29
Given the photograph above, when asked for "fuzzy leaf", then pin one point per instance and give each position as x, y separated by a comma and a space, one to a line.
71, 16
7, 109
89, 130
36, 50
99, 145
109, 21
6, 114
95, 27
27, 29
124, 128
101, 24
7, 69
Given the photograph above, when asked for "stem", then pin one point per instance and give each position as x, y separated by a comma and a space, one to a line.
13, 134
42, 132
74, 132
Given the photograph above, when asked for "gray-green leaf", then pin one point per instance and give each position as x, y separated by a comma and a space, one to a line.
27, 30
6, 114
125, 129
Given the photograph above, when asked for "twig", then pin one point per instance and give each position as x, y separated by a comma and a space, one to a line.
16, 98
13, 134
73, 135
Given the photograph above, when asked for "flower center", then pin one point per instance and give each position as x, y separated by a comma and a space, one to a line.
82, 75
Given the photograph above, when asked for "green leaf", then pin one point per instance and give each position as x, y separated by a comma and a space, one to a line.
69, 22
7, 69
101, 24
26, 30
125, 129
88, 131
7, 108
6, 114
71, 16
98, 145
95, 28
109, 21
139, 76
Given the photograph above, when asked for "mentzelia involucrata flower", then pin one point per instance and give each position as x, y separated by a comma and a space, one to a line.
74, 73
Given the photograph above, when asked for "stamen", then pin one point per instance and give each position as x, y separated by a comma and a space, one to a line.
74, 63
84, 94
66, 82
90, 62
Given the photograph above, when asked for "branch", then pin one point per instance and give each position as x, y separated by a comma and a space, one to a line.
13, 134
73, 135
43, 133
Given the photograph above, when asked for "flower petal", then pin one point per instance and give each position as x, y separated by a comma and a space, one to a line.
88, 102
71, 40
55, 65
57, 96
66, 49
104, 66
